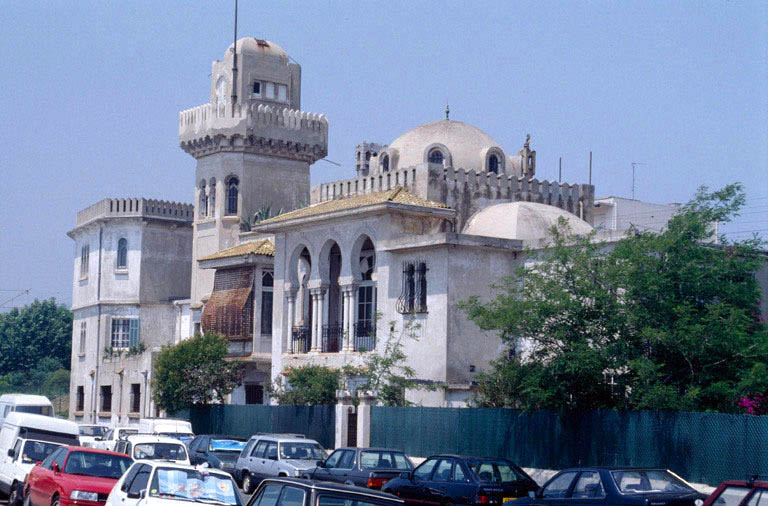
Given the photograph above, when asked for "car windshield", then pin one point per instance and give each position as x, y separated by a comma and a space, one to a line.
642, 481
384, 460
37, 410
193, 485
731, 496
37, 451
159, 451
226, 445
302, 451
496, 471
86, 430
102, 465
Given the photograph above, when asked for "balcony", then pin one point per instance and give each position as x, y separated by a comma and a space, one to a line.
300, 339
332, 338
365, 336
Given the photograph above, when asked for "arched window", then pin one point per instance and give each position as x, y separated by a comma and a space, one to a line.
122, 253
385, 163
212, 196
436, 156
232, 195
493, 164
203, 212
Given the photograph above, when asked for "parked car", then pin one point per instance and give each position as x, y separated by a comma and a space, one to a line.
151, 447
268, 455
158, 483
364, 467
615, 486
109, 440
180, 429
456, 479
218, 451
90, 432
294, 492
74, 475
735, 493
25, 439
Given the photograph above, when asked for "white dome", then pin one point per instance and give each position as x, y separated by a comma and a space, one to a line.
252, 45
467, 145
526, 221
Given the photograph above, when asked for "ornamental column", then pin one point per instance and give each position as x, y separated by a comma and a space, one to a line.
318, 312
350, 310
290, 298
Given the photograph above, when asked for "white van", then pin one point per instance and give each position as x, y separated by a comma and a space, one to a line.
180, 429
25, 439
24, 403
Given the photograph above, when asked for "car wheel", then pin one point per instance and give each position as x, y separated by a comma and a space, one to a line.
13, 497
27, 502
55, 502
247, 483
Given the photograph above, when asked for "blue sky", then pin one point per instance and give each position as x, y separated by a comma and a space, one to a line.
92, 91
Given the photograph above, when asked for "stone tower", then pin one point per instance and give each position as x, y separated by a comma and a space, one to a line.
252, 144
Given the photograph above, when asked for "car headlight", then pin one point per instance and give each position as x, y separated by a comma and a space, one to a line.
698, 502
84, 496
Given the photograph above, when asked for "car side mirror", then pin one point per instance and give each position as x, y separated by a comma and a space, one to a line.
10, 452
98, 438
320, 463
134, 495
55, 467
406, 475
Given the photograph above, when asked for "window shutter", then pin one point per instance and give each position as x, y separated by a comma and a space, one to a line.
134, 333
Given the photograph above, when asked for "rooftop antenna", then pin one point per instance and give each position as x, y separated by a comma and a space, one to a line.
590, 167
560, 171
633, 177
234, 65
447, 111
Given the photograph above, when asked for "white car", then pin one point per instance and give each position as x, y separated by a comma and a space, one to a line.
110, 439
159, 483
151, 447
90, 431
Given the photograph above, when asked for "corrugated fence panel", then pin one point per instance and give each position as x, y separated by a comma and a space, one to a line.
315, 422
702, 447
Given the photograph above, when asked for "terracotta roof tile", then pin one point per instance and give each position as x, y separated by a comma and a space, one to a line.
397, 194
263, 247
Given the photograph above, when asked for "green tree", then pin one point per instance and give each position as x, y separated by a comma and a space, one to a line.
308, 385
663, 320
195, 371
28, 335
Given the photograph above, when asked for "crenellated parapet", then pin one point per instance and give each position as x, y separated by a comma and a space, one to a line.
466, 191
254, 128
136, 208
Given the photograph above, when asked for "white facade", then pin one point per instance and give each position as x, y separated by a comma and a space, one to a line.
131, 261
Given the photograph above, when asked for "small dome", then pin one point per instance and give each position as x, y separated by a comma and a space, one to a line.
252, 45
467, 145
526, 221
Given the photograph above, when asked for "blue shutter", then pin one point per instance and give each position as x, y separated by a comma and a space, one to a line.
134, 333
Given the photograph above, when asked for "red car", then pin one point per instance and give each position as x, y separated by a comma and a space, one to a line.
73, 475
735, 492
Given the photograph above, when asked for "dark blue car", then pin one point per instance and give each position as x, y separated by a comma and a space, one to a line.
595, 486
456, 479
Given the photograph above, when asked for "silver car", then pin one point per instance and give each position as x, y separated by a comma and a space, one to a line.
269, 455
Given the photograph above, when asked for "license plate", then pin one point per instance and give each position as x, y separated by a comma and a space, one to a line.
509, 499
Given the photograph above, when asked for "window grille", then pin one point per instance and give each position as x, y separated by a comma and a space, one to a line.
232, 195
84, 253
413, 297
125, 333
436, 156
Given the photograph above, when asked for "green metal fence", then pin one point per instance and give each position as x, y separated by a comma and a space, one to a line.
315, 422
701, 447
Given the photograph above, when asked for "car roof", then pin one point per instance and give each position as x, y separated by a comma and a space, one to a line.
324, 485
151, 438
370, 449
284, 439
222, 436
88, 449
479, 457
178, 465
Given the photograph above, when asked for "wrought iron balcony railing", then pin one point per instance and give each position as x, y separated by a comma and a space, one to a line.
300, 339
365, 336
332, 338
